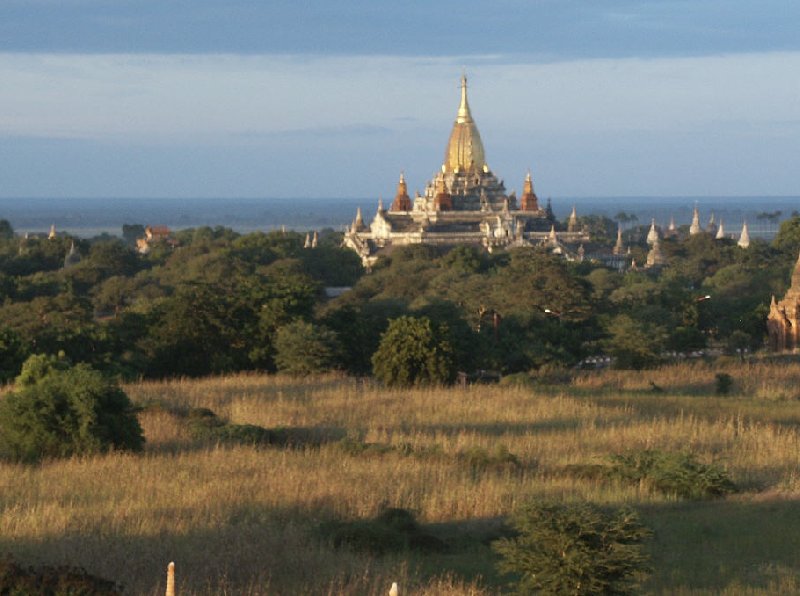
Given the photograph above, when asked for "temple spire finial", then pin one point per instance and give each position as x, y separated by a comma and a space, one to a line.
464, 114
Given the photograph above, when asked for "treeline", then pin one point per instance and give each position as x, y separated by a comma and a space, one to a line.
221, 302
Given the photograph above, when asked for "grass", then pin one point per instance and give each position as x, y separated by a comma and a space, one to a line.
245, 518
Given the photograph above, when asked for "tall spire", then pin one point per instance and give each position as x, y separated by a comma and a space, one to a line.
402, 202
652, 235
572, 223
464, 114
529, 200
619, 248
464, 149
655, 258
695, 227
744, 239
720, 230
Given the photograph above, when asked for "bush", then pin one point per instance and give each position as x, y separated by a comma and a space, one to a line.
204, 425
574, 549
676, 474
724, 383
18, 580
58, 410
414, 351
480, 460
393, 530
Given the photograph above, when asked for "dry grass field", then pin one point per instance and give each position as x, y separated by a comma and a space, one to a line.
245, 519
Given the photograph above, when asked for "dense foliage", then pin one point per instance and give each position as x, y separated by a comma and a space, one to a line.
215, 301
414, 351
574, 549
58, 410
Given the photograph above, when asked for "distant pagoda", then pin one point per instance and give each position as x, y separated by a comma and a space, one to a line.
464, 203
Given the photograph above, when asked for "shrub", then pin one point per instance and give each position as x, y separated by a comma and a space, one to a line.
393, 530
574, 549
481, 460
72, 581
58, 410
414, 351
678, 474
204, 425
724, 383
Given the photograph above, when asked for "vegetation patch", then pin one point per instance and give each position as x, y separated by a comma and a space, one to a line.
206, 425
574, 549
58, 410
57, 581
480, 460
392, 530
678, 474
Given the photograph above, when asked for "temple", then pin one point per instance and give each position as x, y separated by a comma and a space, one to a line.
783, 321
464, 203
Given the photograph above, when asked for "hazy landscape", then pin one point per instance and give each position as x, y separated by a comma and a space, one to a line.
276, 319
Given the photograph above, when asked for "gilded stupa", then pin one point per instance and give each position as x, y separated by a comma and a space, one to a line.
464, 203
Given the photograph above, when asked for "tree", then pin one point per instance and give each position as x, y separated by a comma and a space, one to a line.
12, 354
574, 549
633, 343
302, 348
414, 351
787, 239
58, 410
6, 230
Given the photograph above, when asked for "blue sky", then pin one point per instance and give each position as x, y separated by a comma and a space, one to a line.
294, 99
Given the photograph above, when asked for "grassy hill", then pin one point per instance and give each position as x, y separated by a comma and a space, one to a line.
243, 477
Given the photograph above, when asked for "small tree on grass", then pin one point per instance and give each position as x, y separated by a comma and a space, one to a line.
574, 549
414, 351
58, 410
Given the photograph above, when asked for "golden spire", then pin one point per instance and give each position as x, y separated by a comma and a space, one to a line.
464, 114
464, 149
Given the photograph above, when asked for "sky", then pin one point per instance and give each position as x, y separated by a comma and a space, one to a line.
201, 98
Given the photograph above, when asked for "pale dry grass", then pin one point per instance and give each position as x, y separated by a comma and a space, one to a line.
241, 519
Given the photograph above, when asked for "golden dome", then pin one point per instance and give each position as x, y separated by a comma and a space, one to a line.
464, 150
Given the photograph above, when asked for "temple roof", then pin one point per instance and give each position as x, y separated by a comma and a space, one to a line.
464, 149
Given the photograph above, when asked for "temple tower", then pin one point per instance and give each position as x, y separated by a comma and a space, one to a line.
652, 235
695, 227
783, 321
744, 239
572, 223
619, 248
402, 202
530, 202
720, 230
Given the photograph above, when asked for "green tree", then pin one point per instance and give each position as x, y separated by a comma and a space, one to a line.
302, 348
632, 343
12, 354
414, 351
574, 549
787, 239
58, 410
